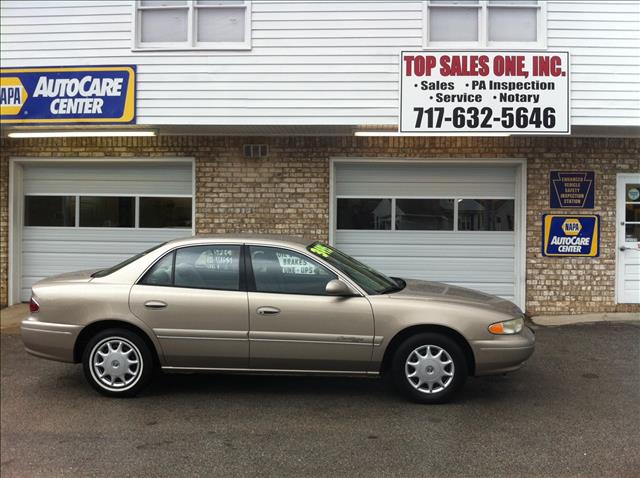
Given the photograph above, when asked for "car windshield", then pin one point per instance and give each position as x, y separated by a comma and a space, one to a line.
111, 270
372, 281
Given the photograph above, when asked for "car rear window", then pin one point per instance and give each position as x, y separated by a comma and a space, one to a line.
111, 270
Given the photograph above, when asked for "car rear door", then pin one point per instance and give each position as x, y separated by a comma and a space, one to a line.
294, 325
195, 300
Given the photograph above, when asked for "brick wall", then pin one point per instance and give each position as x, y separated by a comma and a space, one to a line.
289, 192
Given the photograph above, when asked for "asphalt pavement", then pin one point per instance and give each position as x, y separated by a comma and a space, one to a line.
573, 410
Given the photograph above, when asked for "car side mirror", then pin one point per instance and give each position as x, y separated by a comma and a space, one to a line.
337, 288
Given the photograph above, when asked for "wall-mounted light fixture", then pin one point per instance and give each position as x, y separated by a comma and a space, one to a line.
79, 134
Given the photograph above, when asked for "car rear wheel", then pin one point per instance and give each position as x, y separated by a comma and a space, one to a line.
117, 363
429, 368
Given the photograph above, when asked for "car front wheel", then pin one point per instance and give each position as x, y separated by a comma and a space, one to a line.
117, 363
429, 368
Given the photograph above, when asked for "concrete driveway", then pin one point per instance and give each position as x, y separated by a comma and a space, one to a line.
571, 411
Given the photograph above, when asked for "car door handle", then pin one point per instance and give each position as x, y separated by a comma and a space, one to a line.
267, 310
155, 304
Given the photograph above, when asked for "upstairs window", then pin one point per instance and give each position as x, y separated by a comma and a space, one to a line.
193, 24
485, 23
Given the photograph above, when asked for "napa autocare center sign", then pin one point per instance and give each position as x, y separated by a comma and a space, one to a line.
68, 95
571, 235
484, 92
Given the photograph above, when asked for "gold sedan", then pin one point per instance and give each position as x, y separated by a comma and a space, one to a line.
260, 304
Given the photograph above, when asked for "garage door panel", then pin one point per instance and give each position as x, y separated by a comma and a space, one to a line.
108, 178
426, 238
432, 269
125, 188
111, 171
454, 265
97, 240
436, 250
417, 189
404, 180
405, 172
98, 234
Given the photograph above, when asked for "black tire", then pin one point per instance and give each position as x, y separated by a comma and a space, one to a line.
417, 392
127, 383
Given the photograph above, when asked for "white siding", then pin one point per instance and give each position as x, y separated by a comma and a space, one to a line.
311, 62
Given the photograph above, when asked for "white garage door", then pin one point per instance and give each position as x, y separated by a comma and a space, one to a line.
93, 215
454, 223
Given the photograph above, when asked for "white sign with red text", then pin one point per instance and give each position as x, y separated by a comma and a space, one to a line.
484, 92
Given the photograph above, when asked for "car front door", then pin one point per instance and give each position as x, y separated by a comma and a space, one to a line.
195, 302
294, 325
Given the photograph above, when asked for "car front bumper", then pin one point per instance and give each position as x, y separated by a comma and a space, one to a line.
49, 340
504, 353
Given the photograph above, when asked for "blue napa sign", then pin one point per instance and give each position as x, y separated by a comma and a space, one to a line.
68, 95
572, 189
570, 236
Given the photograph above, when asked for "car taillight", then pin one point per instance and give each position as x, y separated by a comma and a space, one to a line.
33, 305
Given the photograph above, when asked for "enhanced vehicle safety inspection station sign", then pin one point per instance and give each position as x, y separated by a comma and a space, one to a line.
484, 92
571, 236
68, 95
572, 189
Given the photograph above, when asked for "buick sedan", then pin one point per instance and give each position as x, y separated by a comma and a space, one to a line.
259, 304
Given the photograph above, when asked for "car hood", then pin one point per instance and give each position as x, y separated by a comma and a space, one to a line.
78, 276
419, 289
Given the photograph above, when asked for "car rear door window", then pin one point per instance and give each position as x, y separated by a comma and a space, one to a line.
208, 267
284, 271
161, 273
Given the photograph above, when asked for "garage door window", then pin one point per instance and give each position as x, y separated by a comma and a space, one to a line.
100, 211
486, 215
108, 212
50, 211
424, 214
364, 213
165, 212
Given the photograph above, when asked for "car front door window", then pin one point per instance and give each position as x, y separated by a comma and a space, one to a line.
283, 271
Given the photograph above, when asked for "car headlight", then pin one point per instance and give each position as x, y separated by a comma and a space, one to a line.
508, 327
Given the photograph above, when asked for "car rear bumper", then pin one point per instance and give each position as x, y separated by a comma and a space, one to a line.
503, 353
49, 340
